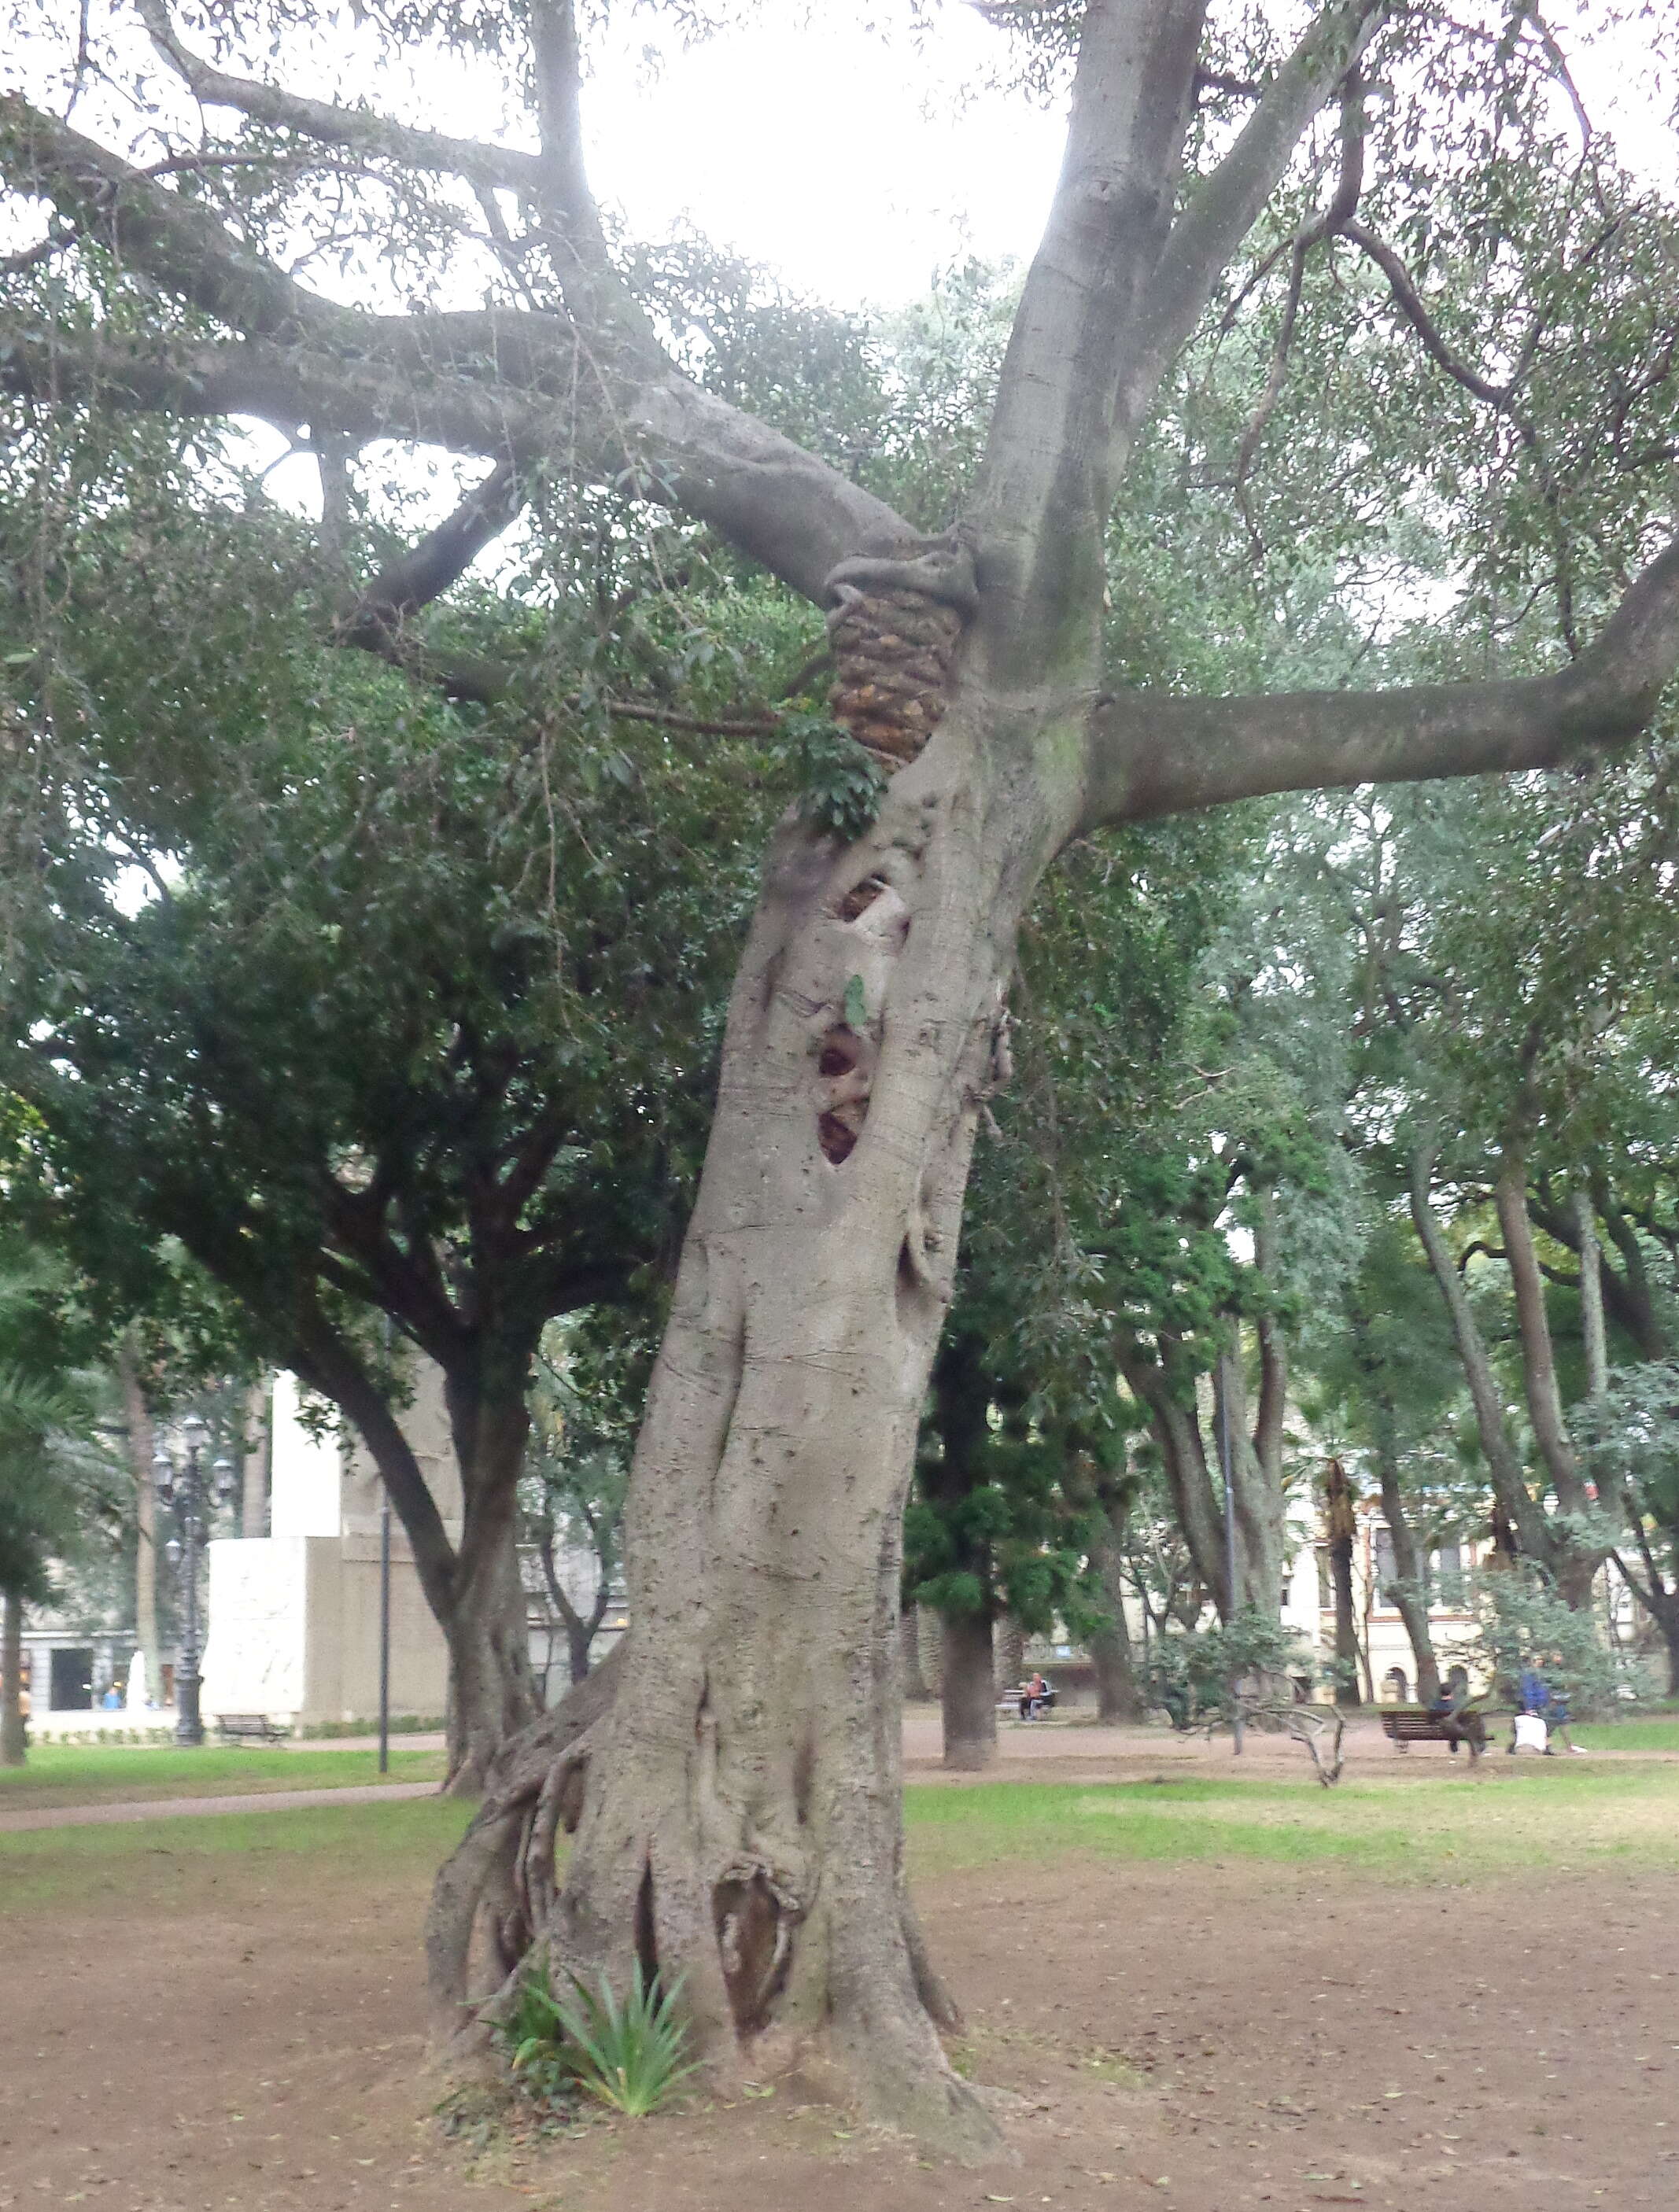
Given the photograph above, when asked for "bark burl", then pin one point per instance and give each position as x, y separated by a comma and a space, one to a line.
733, 1775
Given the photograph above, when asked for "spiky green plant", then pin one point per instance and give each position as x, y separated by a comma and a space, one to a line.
628, 2053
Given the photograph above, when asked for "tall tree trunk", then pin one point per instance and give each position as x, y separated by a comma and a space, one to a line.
1341, 1529
12, 1734
1197, 1507
1118, 1694
1255, 1493
968, 1692
139, 1445
492, 1692
1592, 1332
1407, 1588
1515, 1509
1574, 1561
742, 1825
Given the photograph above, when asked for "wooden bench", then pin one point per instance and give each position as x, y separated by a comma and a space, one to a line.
1411, 1724
250, 1728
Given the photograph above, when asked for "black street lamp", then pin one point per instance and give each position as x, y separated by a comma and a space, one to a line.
193, 1498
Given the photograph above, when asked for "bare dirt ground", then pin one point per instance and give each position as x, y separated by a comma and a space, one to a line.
1208, 2038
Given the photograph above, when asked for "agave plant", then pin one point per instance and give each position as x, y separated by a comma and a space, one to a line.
630, 2053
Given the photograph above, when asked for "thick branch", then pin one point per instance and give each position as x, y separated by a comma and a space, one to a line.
356, 129
1155, 755
440, 560
1226, 206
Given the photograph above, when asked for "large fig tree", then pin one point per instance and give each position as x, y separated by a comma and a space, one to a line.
1398, 181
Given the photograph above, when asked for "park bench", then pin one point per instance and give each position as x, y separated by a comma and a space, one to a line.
1010, 1701
1410, 1724
250, 1728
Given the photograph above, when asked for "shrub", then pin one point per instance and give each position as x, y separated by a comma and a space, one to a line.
629, 2053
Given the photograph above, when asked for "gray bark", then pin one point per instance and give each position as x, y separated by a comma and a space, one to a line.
1119, 1696
139, 1445
1572, 1561
1255, 1493
1591, 1295
1509, 1485
12, 1731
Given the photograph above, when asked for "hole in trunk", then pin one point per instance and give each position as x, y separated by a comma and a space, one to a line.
755, 1944
860, 897
836, 1135
647, 1942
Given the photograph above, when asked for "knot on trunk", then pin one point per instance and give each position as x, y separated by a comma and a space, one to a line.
893, 632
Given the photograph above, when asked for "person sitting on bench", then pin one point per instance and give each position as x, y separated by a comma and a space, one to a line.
1031, 1698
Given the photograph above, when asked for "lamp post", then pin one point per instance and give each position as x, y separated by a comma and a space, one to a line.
192, 1495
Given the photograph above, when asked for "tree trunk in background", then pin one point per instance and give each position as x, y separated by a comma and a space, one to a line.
1592, 1331
1118, 1695
257, 1473
930, 1641
139, 1445
1011, 1652
1406, 1589
492, 1692
12, 1749
916, 1690
1517, 1522
1257, 1490
1341, 1529
1574, 1563
967, 1692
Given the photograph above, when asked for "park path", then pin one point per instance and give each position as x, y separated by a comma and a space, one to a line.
193, 1809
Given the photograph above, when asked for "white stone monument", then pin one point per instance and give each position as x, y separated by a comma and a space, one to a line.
294, 1615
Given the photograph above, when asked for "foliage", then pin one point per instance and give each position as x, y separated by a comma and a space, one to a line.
1195, 1674
628, 2053
1521, 1622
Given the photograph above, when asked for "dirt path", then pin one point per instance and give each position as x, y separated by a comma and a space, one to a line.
1208, 2039
184, 1809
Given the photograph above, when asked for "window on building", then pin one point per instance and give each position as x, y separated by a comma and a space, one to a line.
1449, 1559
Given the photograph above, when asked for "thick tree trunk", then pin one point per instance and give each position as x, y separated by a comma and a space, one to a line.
968, 1692
12, 1749
492, 1691
741, 1824
139, 1445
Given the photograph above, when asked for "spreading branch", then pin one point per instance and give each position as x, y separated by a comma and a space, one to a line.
1152, 756
357, 129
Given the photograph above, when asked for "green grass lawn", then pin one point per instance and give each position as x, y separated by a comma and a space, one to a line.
1563, 1814
86, 1774
231, 1859
1629, 1736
